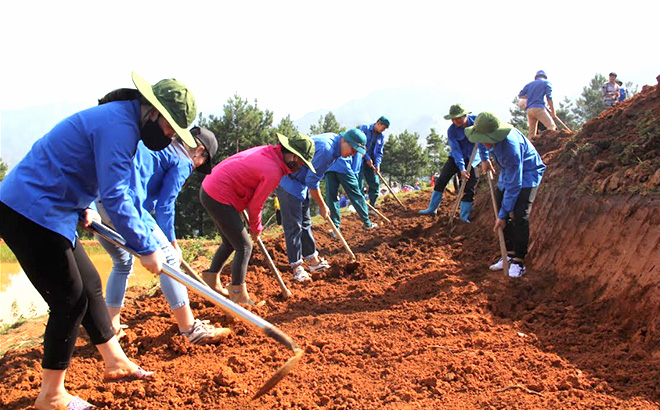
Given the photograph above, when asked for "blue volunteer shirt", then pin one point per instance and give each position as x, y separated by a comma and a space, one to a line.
347, 165
160, 176
327, 149
87, 155
622, 94
520, 167
375, 144
461, 148
536, 91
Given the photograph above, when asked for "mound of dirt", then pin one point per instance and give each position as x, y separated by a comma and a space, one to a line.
616, 152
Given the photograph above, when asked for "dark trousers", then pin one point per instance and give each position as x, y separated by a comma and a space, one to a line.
66, 279
448, 171
516, 232
234, 236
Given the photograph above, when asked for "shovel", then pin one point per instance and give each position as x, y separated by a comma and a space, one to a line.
226, 305
341, 237
389, 188
462, 189
286, 293
500, 232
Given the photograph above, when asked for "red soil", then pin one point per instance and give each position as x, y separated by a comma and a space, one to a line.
420, 322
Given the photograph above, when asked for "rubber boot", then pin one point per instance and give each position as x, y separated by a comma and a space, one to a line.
213, 280
239, 294
436, 198
466, 208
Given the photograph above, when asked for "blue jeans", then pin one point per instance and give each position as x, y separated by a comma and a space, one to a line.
297, 225
122, 266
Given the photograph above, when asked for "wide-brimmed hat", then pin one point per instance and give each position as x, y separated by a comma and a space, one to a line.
301, 145
173, 101
488, 128
456, 111
356, 138
210, 144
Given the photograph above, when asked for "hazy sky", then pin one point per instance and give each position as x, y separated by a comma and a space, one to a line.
300, 56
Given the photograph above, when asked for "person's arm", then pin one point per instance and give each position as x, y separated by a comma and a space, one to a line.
171, 186
318, 198
455, 150
380, 146
264, 189
548, 97
551, 106
511, 177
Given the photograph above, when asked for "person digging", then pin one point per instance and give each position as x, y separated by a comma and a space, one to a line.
459, 156
521, 171
241, 182
295, 190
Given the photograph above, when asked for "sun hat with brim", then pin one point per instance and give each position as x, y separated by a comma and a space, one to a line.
488, 128
456, 111
301, 145
173, 101
210, 144
356, 138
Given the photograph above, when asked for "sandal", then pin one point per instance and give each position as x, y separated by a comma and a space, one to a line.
79, 404
139, 374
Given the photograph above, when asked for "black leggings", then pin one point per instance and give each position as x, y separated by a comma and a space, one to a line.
516, 232
449, 170
234, 238
65, 278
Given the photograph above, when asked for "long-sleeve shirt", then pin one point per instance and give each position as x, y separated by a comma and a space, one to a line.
461, 148
536, 91
520, 166
246, 180
87, 155
327, 149
347, 165
160, 177
375, 144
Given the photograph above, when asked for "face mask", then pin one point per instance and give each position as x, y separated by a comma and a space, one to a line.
293, 165
153, 136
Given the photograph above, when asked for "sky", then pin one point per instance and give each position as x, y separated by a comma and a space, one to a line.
300, 56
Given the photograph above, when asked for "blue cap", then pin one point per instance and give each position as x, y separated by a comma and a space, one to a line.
356, 139
541, 73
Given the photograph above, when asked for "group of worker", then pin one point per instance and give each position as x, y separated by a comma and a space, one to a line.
124, 162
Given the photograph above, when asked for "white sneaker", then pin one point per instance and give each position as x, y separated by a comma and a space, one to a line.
204, 333
499, 265
332, 233
323, 264
300, 275
516, 270
373, 226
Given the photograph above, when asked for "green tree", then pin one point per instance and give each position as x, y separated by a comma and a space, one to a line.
590, 103
3, 169
519, 117
286, 127
242, 126
566, 112
327, 123
406, 159
436, 151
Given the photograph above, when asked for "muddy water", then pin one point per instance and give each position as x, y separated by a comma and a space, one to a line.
19, 298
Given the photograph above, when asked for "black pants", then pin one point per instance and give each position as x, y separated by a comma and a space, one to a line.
234, 235
449, 170
516, 232
65, 278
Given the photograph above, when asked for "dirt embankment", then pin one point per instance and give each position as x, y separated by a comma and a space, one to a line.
420, 322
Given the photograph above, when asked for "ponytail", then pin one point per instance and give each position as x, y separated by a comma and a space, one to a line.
124, 94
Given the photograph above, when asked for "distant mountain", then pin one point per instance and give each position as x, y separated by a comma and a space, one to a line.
19, 129
415, 108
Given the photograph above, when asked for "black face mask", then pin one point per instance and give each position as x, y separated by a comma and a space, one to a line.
153, 136
292, 165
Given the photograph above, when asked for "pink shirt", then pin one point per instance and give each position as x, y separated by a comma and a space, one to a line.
245, 180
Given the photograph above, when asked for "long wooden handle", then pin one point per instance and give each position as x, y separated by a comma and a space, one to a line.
500, 232
373, 208
558, 119
190, 271
389, 188
341, 237
286, 293
462, 188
